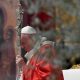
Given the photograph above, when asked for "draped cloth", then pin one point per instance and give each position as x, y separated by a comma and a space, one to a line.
41, 66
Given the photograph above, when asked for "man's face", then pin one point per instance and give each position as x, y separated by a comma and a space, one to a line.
26, 42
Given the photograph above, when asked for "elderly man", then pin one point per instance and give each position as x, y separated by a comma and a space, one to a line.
40, 55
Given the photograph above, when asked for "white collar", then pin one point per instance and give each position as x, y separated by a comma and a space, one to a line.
29, 54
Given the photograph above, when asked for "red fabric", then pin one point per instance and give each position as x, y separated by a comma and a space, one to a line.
44, 17
39, 73
40, 69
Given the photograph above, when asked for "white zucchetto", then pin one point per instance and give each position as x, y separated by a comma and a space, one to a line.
28, 30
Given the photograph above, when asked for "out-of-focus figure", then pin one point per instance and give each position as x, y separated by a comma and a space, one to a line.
7, 40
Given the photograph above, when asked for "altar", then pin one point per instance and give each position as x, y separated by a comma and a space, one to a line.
71, 74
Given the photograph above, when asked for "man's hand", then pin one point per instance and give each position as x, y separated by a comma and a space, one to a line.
19, 61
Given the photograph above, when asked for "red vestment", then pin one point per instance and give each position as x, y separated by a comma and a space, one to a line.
41, 67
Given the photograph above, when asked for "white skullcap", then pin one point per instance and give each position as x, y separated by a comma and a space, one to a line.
28, 30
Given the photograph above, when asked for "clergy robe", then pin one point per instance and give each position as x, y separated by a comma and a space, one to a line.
41, 65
